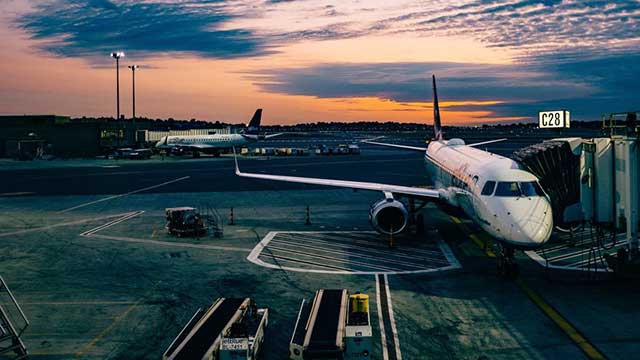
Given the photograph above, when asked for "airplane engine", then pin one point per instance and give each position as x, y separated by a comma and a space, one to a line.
389, 216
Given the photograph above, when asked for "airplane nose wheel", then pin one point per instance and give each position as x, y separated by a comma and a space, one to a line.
507, 264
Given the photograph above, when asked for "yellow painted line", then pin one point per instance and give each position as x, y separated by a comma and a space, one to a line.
558, 319
587, 348
482, 245
106, 331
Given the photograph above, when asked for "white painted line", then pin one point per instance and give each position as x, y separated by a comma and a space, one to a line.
167, 243
327, 258
125, 194
349, 254
383, 337
70, 223
446, 250
112, 223
402, 254
392, 319
255, 254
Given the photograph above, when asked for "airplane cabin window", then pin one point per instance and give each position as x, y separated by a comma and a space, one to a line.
487, 190
508, 188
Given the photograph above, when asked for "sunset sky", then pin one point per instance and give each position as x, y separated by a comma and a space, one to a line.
305, 61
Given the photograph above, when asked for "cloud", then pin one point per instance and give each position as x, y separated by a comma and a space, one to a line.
94, 28
588, 88
534, 27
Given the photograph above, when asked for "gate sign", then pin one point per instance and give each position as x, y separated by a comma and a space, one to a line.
553, 119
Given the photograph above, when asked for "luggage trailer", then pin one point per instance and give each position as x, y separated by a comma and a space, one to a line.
334, 326
229, 329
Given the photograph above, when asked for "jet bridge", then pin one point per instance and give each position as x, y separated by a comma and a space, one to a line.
593, 182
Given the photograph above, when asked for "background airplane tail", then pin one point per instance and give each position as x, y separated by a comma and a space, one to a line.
254, 124
437, 126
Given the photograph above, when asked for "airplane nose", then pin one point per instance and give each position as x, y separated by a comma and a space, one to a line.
536, 228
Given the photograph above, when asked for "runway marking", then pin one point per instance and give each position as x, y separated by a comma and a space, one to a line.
70, 223
554, 315
122, 195
294, 245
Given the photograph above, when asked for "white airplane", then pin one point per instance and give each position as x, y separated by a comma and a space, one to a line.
214, 143
493, 191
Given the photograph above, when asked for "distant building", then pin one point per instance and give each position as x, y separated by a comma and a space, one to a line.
63, 137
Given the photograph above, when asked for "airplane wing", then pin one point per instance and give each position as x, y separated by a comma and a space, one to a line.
385, 188
406, 147
273, 135
487, 142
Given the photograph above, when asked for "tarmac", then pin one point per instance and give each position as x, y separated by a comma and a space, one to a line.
85, 252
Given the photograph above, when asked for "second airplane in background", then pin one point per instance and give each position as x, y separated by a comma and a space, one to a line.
215, 143
493, 191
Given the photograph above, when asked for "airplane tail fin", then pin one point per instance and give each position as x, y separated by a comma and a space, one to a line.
437, 126
254, 124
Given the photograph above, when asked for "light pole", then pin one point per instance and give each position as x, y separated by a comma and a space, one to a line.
133, 73
117, 56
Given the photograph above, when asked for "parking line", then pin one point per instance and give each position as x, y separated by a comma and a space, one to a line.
122, 195
305, 262
168, 243
112, 223
107, 330
327, 258
383, 336
589, 349
362, 256
554, 315
70, 223
392, 319
396, 253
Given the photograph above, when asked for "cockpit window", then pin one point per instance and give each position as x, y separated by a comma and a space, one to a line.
488, 188
515, 189
510, 188
531, 188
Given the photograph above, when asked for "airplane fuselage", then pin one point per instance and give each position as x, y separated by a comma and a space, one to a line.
504, 200
207, 143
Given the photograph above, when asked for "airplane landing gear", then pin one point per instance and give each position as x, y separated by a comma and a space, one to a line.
507, 264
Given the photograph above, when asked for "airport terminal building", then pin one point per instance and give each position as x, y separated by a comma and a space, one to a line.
31, 136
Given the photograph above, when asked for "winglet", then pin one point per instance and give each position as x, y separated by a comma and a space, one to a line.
235, 159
